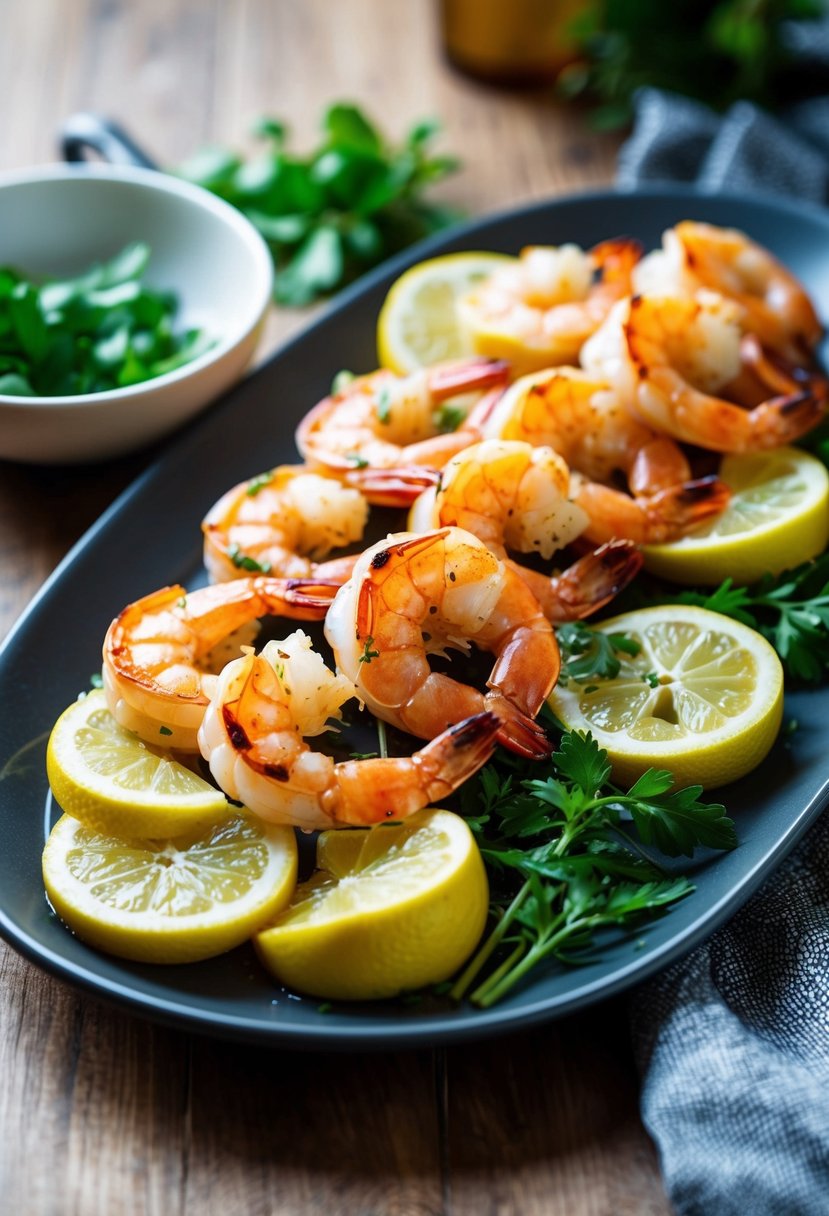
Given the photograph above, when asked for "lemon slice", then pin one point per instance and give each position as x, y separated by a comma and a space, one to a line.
169, 901
107, 778
703, 698
418, 323
778, 517
390, 908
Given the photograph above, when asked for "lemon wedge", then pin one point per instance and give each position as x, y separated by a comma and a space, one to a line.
389, 909
107, 778
169, 901
418, 323
703, 698
778, 517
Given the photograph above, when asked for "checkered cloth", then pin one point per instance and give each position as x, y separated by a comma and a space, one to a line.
733, 1042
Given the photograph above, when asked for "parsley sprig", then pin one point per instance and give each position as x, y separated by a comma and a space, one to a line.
563, 864
791, 610
330, 215
587, 652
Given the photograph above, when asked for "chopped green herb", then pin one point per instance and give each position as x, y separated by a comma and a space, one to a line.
258, 483
369, 654
357, 460
98, 331
96, 680
181, 602
164, 730
341, 381
587, 652
650, 677
448, 418
325, 1007
384, 406
242, 562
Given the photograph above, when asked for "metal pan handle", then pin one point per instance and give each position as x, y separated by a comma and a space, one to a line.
83, 133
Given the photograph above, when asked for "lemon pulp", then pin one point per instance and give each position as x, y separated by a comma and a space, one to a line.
109, 779
703, 698
169, 901
389, 908
419, 324
777, 518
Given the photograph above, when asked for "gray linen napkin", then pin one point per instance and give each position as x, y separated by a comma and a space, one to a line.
733, 1041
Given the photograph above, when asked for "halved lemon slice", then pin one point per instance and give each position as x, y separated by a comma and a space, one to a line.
703, 698
390, 908
169, 901
418, 323
107, 778
778, 517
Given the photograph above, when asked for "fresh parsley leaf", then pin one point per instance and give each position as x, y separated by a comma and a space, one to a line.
102, 329
791, 610
243, 562
448, 417
561, 865
335, 212
384, 407
258, 483
677, 822
587, 652
580, 759
368, 653
717, 51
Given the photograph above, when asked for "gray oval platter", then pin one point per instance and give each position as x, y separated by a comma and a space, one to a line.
150, 537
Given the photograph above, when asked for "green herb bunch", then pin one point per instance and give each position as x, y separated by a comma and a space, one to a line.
714, 50
101, 330
330, 215
791, 610
563, 864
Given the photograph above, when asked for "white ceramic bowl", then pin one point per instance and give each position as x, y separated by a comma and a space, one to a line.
57, 221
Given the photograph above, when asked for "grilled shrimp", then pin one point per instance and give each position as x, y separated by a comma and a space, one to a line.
583, 419
254, 739
162, 653
774, 304
284, 523
384, 421
512, 495
413, 595
539, 309
668, 358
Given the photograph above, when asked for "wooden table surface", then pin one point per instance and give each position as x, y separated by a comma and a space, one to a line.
102, 1113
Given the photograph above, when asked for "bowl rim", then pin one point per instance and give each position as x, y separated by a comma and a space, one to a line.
156, 180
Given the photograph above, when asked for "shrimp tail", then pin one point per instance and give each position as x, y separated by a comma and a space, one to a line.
457, 753
786, 418
517, 731
616, 259
395, 487
370, 791
481, 413
308, 599
587, 585
777, 374
679, 509
467, 375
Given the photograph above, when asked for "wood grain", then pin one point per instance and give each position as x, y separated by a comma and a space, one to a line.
102, 1114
